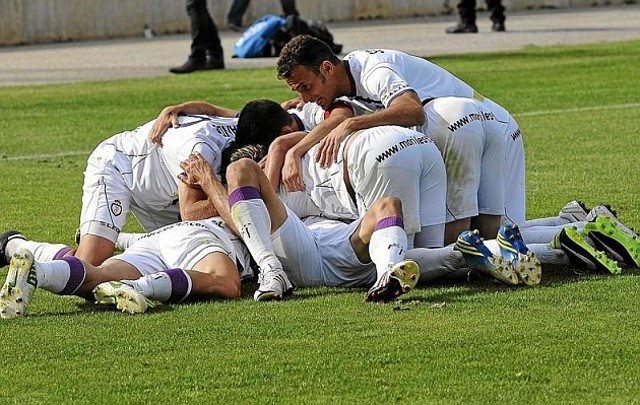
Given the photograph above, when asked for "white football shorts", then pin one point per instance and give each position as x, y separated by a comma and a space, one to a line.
177, 246
318, 252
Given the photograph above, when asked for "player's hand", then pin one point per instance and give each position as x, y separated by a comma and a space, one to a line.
328, 147
197, 171
292, 173
263, 162
296, 103
168, 118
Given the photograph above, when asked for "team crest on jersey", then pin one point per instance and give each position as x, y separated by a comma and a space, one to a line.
116, 208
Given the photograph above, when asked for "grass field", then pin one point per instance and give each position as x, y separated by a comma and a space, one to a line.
573, 339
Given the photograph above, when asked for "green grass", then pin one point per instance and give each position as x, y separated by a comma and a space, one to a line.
571, 340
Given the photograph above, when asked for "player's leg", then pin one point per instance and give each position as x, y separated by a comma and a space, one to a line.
257, 212
438, 264
105, 205
453, 124
381, 238
399, 162
178, 261
67, 276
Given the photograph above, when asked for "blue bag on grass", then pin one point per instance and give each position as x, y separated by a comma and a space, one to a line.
255, 40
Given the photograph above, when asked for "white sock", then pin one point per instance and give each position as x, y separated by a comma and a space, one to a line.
545, 234
437, 263
546, 255
62, 277
251, 217
126, 239
42, 251
173, 285
387, 247
548, 221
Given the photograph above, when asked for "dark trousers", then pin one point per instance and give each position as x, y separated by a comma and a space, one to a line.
239, 7
467, 11
205, 41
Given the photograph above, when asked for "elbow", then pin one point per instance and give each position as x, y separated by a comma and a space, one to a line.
279, 147
420, 117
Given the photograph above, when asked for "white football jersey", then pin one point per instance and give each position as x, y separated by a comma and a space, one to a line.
312, 114
380, 75
151, 171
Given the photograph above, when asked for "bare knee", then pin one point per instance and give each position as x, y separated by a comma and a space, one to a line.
387, 207
242, 172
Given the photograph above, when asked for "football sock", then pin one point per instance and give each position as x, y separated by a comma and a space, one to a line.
431, 236
388, 244
172, 285
251, 217
437, 263
549, 221
546, 255
42, 251
126, 239
62, 277
545, 234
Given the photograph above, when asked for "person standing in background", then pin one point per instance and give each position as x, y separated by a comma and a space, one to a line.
206, 50
467, 13
239, 7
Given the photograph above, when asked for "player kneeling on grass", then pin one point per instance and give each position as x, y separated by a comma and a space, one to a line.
189, 258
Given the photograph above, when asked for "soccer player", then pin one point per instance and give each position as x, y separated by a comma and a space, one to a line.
319, 251
374, 163
129, 173
474, 134
188, 258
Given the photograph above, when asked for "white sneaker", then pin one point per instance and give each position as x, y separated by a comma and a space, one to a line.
574, 211
605, 210
124, 296
20, 283
401, 278
274, 285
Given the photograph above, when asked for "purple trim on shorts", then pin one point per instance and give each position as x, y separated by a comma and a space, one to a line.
62, 252
76, 275
179, 285
389, 222
244, 193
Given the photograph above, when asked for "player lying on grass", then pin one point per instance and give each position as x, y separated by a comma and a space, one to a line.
168, 265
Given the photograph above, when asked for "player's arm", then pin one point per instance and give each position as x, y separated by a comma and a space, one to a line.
276, 156
296, 103
168, 117
405, 111
194, 203
200, 172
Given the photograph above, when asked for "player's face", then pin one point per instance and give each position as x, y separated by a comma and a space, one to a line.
313, 87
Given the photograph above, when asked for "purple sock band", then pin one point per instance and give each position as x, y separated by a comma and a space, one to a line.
179, 285
62, 252
76, 275
243, 193
389, 222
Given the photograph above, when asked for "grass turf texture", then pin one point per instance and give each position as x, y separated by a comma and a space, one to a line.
573, 339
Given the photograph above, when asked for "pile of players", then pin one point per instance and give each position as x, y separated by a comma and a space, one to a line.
386, 172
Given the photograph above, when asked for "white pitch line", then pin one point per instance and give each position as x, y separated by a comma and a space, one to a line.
577, 110
45, 155
525, 114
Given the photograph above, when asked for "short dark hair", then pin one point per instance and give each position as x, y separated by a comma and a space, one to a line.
304, 50
260, 122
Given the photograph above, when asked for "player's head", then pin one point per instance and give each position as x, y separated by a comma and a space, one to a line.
260, 122
308, 65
